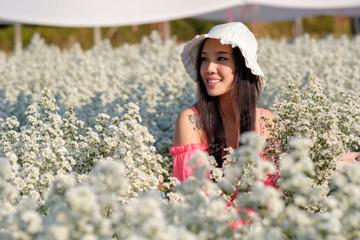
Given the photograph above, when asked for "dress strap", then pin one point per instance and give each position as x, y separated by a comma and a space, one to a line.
261, 122
193, 108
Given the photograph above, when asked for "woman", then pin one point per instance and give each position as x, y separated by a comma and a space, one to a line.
224, 65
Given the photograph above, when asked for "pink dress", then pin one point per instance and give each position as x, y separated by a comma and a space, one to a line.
182, 155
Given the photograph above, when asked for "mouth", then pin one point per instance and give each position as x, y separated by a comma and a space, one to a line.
214, 81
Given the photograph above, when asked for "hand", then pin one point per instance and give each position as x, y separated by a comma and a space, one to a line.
347, 158
161, 186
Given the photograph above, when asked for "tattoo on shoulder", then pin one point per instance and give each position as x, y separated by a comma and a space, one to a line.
194, 120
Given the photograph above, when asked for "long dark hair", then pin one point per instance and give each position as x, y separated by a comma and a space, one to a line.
245, 92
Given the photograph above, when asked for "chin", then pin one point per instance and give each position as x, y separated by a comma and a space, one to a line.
211, 94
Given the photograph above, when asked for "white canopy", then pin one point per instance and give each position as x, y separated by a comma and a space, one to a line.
264, 13
103, 13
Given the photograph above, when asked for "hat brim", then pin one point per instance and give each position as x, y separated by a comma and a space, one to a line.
190, 53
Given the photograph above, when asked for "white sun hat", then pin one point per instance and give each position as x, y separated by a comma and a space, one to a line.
235, 34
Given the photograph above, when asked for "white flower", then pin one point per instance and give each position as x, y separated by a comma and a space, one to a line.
33, 221
58, 232
98, 127
100, 198
82, 199
5, 169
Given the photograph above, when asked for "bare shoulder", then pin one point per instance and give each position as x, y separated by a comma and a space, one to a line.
262, 112
269, 116
188, 128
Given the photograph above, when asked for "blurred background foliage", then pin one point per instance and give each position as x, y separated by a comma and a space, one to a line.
183, 29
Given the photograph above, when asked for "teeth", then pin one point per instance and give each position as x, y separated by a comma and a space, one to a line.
213, 81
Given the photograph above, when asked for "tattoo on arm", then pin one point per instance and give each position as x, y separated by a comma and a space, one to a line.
194, 120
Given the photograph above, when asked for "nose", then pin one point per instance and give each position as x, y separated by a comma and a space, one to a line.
211, 67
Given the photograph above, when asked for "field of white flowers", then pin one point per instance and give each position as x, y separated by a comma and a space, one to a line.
85, 138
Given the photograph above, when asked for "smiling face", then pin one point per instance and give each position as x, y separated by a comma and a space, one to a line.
217, 67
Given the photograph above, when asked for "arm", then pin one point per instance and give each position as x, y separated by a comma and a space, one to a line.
188, 140
188, 129
263, 130
271, 179
344, 158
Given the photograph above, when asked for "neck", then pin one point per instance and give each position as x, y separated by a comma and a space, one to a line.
227, 106
230, 121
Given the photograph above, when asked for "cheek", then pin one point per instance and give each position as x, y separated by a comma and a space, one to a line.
227, 72
202, 70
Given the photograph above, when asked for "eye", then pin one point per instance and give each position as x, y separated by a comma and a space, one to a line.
222, 59
203, 59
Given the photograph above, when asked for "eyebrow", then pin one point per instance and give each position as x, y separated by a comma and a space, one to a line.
219, 52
